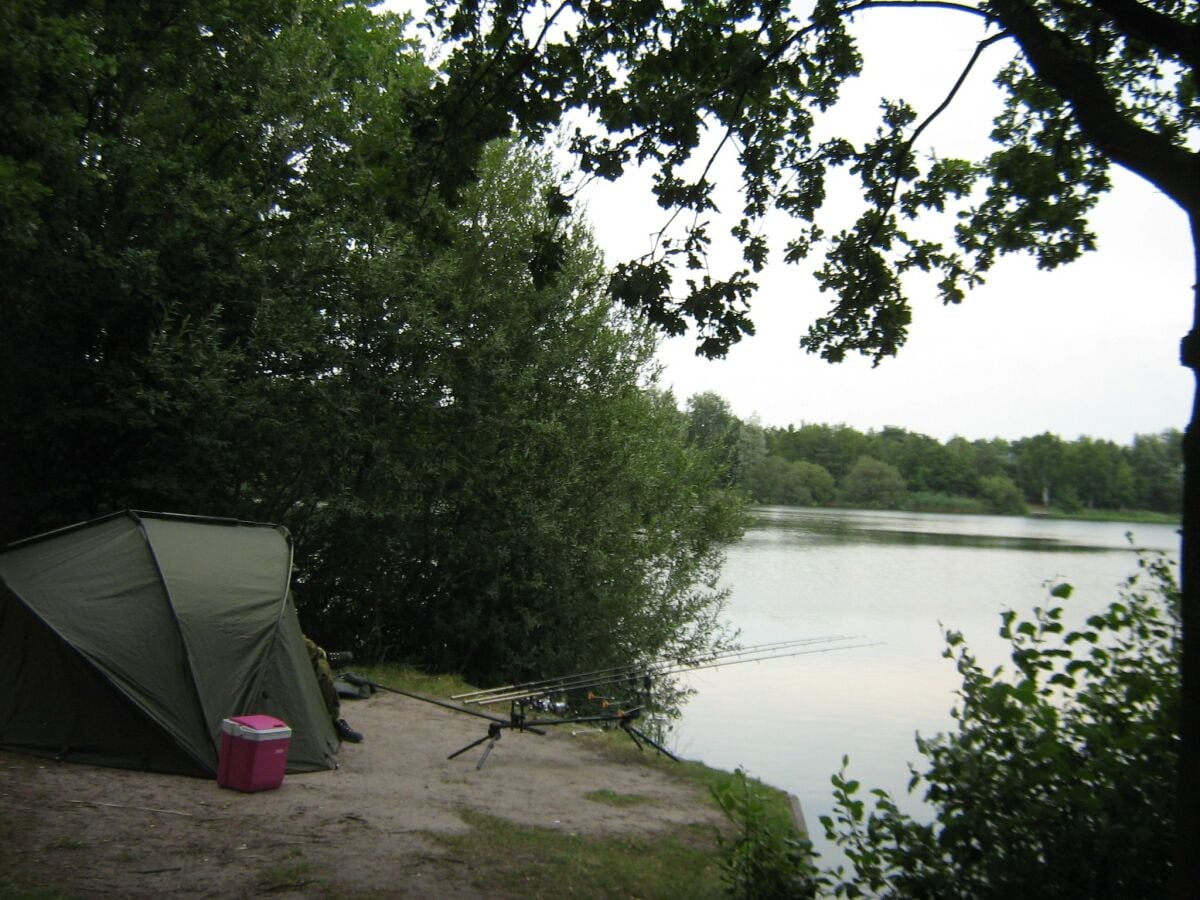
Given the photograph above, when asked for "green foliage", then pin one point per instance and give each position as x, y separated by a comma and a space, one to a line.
183, 185
930, 501
995, 476
646, 83
284, 284
524, 507
551, 862
872, 484
765, 858
1003, 497
716, 431
1059, 778
777, 481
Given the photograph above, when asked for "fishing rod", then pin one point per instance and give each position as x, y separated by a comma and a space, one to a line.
654, 668
518, 720
782, 650
361, 680
636, 668
521, 694
623, 719
633, 670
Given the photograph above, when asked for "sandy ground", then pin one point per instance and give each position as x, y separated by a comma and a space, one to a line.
373, 821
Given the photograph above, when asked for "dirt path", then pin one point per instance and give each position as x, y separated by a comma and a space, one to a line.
373, 822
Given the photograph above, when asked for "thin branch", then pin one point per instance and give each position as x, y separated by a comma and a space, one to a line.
962, 78
924, 4
170, 812
942, 107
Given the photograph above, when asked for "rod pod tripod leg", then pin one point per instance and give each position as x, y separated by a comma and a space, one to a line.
494, 731
636, 733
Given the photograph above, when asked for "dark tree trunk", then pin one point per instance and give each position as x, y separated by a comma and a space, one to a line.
1187, 797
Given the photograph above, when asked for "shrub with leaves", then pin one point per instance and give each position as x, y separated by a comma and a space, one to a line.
1058, 781
765, 858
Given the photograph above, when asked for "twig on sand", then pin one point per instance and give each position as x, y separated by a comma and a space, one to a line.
292, 886
169, 812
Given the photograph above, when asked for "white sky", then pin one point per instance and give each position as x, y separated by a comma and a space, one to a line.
1091, 348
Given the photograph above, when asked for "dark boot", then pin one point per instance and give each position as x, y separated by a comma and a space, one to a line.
346, 733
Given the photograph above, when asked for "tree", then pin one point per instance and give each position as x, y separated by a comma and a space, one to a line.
872, 484
1002, 495
1089, 85
1099, 474
532, 510
183, 193
776, 481
833, 447
1157, 463
237, 285
1040, 461
713, 427
751, 450
923, 462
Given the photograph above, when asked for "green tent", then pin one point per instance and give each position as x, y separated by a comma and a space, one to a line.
126, 640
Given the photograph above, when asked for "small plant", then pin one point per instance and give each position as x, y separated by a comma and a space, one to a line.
612, 798
67, 842
765, 858
289, 876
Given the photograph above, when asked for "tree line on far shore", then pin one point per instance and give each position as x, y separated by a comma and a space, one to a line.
893, 468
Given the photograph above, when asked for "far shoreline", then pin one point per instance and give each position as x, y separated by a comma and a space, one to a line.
1135, 516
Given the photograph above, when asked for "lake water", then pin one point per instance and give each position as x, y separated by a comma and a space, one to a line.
894, 579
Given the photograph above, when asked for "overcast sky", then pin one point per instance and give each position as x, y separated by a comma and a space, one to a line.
1091, 348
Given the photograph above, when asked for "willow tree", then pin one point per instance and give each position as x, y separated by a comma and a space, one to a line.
529, 507
671, 85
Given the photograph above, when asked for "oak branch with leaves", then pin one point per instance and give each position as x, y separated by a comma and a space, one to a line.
675, 86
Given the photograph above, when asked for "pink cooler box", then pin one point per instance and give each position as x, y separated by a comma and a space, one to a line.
254, 753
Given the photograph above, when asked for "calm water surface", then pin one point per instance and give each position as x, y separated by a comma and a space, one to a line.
894, 579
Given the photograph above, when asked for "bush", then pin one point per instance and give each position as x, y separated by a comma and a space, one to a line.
872, 484
1002, 496
777, 481
765, 859
1058, 781
931, 501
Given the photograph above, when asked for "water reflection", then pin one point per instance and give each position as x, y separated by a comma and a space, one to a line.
821, 527
898, 579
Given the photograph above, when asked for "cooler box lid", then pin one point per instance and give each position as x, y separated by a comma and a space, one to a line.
256, 728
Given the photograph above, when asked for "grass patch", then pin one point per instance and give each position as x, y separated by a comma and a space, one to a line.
617, 747
930, 501
612, 798
516, 860
293, 876
777, 805
1145, 516
410, 678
